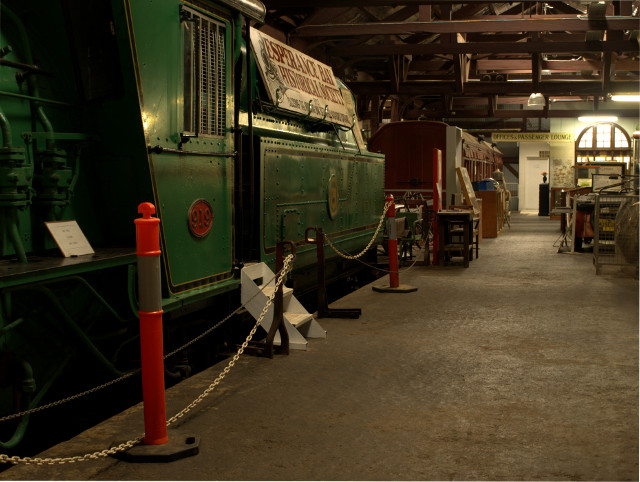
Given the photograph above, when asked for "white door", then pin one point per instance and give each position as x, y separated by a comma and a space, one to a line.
534, 160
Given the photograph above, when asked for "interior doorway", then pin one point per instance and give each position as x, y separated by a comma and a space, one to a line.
534, 160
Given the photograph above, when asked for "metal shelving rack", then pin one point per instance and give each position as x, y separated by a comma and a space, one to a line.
605, 251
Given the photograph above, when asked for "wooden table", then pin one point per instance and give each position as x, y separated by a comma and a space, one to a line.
454, 224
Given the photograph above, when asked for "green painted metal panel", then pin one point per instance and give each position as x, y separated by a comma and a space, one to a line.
296, 181
182, 178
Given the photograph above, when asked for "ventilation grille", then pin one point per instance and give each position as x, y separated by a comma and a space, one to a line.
212, 78
205, 74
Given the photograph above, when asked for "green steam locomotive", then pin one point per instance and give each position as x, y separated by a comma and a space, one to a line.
240, 142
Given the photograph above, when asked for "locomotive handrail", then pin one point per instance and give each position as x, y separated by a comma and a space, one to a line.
308, 114
324, 117
159, 150
275, 105
353, 123
278, 98
30, 69
37, 99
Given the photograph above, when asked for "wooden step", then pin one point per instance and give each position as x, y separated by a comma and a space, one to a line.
297, 319
269, 289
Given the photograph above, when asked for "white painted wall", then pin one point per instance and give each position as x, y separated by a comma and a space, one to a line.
530, 174
629, 124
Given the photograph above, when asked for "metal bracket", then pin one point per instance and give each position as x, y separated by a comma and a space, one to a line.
323, 307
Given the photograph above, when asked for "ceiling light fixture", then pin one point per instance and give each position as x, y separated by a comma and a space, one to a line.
598, 118
536, 99
626, 98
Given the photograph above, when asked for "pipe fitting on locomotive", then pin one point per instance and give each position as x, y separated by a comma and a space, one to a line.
54, 181
15, 173
15, 178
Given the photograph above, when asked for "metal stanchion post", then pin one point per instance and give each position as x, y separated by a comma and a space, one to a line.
394, 285
158, 447
323, 305
150, 311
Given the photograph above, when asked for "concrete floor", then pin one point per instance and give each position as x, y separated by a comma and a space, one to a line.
522, 367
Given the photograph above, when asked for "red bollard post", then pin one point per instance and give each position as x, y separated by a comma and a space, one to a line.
392, 248
392, 242
150, 310
157, 447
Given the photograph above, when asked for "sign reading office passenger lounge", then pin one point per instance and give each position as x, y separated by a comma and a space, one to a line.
294, 79
532, 137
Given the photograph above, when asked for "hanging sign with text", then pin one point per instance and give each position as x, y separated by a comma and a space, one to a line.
299, 83
532, 137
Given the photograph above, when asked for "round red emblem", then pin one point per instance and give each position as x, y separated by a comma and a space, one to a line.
200, 218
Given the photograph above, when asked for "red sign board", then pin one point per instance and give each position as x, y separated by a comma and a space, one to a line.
200, 218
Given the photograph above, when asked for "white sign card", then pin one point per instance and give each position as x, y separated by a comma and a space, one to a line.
299, 83
69, 238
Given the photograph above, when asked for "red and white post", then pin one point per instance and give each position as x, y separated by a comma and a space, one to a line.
157, 447
394, 285
150, 311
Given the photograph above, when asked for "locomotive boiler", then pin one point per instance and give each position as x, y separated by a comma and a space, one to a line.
240, 142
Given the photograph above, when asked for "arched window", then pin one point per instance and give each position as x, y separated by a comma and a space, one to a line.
603, 142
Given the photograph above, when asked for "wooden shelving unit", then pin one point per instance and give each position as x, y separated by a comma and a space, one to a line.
493, 212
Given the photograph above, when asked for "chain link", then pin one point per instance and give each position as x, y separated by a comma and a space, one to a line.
131, 443
347, 256
228, 317
70, 460
189, 343
375, 235
72, 397
285, 269
132, 373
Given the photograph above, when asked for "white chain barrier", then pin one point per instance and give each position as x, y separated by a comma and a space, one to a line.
355, 257
133, 372
132, 443
68, 399
196, 339
375, 235
285, 269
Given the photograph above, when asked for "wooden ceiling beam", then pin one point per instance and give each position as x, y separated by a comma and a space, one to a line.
322, 15
513, 114
498, 23
469, 10
276, 4
486, 48
509, 100
536, 70
572, 87
524, 65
